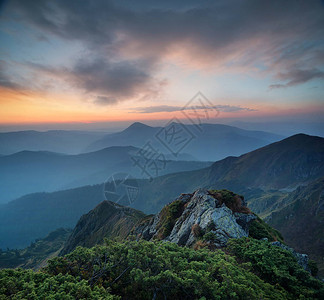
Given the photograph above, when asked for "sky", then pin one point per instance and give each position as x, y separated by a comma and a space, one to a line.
93, 63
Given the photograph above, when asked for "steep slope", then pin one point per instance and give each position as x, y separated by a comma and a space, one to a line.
107, 220
62, 141
302, 220
217, 141
29, 171
285, 164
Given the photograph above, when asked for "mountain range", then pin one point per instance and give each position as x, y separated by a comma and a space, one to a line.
263, 176
209, 142
294, 161
41, 171
217, 140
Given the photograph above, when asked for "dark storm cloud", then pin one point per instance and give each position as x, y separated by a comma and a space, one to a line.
279, 36
170, 108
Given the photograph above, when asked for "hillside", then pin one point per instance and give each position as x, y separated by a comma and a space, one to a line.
219, 256
20, 219
210, 142
281, 165
264, 176
300, 218
200, 219
107, 220
38, 171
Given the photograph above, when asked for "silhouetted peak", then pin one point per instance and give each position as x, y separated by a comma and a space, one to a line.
137, 126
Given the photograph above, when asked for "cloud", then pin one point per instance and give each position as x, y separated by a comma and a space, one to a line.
230, 108
5, 80
136, 38
297, 76
113, 81
103, 100
169, 108
124, 79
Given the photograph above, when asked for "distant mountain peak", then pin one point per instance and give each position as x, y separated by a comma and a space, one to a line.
137, 125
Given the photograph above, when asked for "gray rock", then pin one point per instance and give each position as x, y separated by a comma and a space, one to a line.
244, 220
202, 209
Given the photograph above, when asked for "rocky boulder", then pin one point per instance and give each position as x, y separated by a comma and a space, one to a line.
210, 216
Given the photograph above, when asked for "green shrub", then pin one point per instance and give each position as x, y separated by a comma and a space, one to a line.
258, 229
26, 284
251, 269
277, 267
144, 270
313, 267
169, 216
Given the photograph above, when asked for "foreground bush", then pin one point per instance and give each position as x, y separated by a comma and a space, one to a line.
144, 270
161, 270
277, 267
26, 284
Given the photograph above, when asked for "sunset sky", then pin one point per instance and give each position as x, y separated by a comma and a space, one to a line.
119, 61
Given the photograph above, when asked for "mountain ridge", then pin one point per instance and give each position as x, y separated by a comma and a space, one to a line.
217, 140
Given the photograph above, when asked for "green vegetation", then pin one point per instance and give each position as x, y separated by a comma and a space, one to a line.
313, 267
277, 267
26, 284
259, 229
169, 215
251, 269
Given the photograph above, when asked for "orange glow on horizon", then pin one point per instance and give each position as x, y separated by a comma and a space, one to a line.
25, 107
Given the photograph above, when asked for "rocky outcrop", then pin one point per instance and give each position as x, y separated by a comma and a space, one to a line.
215, 218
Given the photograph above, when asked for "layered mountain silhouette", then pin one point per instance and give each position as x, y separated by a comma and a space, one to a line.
217, 140
34, 171
209, 142
294, 161
62, 141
